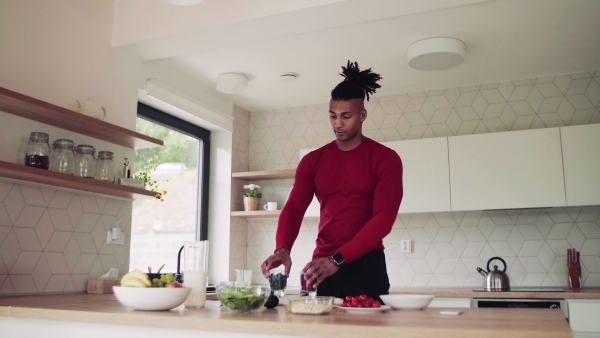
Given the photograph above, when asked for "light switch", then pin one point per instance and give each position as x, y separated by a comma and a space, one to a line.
406, 246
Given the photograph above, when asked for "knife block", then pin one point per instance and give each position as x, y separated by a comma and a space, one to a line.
574, 276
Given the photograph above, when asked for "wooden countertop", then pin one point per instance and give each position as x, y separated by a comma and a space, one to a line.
586, 293
95, 308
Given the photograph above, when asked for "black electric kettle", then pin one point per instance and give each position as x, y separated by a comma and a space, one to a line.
495, 280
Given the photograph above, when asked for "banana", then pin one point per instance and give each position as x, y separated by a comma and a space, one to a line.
134, 282
136, 277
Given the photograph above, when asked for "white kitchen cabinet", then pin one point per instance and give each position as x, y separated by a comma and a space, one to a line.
581, 159
583, 317
506, 170
425, 178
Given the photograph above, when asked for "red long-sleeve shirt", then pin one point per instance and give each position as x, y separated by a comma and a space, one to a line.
359, 193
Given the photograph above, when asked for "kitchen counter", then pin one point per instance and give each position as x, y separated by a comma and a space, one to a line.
105, 309
586, 293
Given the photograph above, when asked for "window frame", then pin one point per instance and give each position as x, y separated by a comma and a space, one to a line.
169, 121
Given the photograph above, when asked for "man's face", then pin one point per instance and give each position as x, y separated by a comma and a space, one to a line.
346, 119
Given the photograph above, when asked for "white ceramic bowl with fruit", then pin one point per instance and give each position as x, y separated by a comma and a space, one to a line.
407, 302
137, 292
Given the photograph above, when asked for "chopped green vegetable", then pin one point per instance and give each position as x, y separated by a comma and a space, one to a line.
241, 299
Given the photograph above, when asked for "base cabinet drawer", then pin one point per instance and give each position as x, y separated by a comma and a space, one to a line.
584, 317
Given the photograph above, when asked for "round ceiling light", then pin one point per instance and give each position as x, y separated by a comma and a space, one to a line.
436, 54
182, 2
232, 83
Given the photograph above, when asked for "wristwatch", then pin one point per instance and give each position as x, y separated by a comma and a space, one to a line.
337, 259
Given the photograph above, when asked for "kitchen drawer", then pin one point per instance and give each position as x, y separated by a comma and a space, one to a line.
584, 315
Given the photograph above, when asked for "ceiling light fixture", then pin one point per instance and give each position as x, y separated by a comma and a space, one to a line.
288, 77
182, 2
232, 83
436, 54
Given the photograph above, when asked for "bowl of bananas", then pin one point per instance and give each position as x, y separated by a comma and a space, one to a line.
139, 292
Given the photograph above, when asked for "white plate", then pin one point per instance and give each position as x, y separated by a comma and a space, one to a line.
365, 309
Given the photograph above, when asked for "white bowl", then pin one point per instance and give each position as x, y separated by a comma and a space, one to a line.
151, 299
407, 302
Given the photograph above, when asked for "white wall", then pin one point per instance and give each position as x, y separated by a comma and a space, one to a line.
60, 51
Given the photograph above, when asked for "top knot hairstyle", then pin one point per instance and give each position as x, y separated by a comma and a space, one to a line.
356, 84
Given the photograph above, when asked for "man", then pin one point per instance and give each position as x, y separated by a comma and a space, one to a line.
358, 183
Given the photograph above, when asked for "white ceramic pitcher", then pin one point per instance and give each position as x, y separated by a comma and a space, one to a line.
91, 108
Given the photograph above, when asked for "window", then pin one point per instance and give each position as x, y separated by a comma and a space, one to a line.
180, 168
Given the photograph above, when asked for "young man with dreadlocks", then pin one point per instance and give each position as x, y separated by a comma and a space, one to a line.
358, 183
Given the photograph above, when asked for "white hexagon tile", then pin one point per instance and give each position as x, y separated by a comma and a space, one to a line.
47, 239
448, 247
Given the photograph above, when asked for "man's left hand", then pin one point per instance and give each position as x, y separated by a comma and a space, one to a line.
317, 270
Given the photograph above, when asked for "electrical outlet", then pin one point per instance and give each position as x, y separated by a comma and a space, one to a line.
116, 236
406, 246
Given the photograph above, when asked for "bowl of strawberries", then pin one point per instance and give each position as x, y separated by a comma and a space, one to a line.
362, 304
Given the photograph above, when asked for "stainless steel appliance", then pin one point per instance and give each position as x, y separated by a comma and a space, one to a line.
524, 289
521, 303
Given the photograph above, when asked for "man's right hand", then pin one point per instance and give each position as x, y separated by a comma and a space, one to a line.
281, 256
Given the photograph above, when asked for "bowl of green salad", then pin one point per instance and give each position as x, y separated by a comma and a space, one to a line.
239, 297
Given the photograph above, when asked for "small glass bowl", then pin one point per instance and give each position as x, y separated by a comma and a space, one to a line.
238, 297
320, 305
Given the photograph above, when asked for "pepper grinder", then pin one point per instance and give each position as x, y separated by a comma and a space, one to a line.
277, 282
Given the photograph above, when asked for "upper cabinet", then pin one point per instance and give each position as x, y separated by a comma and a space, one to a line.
425, 178
581, 158
507, 170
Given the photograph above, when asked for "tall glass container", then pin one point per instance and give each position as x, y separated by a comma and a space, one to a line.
194, 272
38, 151
105, 170
85, 163
62, 158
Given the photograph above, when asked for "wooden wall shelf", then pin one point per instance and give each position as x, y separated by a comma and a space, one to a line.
29, 174
37, 110
256, 214
265, 175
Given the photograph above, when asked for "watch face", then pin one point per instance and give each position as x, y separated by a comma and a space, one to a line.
338, 258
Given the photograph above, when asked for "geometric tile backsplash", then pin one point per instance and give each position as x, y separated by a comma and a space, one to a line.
53, 241
448, 247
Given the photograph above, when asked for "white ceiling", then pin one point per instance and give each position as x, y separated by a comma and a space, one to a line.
262, 39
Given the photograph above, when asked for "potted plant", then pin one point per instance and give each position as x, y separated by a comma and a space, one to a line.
149, 182
252, 197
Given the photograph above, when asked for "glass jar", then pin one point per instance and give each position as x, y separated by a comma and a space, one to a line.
105, 166
38, 151
62, 158
85, 162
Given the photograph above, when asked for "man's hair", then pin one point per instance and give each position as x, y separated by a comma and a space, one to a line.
356, 84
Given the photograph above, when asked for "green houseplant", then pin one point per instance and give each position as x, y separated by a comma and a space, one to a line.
252, 197
149, 182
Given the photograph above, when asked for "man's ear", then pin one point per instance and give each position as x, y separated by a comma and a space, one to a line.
363, 115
